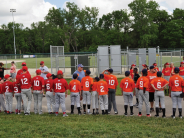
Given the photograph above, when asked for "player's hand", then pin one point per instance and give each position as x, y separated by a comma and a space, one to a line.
65, 95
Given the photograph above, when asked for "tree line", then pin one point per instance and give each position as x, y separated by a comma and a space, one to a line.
142, 26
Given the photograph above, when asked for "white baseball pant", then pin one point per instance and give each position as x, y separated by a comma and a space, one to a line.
103, 99
176, 99
60, 99
18, 98
86, 97
128, 98
95, 99
50, 101
9, 101
2, 102
37, 95
75, 98
27, 98
159, 95
144, 97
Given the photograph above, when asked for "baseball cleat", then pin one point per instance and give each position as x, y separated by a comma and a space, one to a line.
173, 116
139, 115
180, 116
131, 114
116, 113
79, 113
148, 115
26, 113
89, 113
163, 116
19, 113
72, 113
109, 112
65, 115
84, 113
156, 115
97, 113
125, 114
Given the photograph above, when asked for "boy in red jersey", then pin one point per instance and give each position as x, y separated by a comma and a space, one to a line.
143, 86
159, 84
166, 72
95, 96
2, 103
102, 89
25, 84
18, 97
49, 94
181, 73
8, 89
75, 90
38, 86
127, 86
86, 85
60, 92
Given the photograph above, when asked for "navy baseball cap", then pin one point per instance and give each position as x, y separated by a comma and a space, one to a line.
88, 72
176, 70
127, 73
144, 71
75, 75
101, 76
110, 70
96, 78
159, 74
80, 65
152, 67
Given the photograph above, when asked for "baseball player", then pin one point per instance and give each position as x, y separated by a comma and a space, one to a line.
8, 89
95, 96
102, 89
21, 71
136, 77
155, 65
75, 92
17, 93
112, 83
132, 71
60, 92
49, 94
86, 87
143, 86
159, 84
2, 103
38, 86
175, 89
25, 84
127, 86
181, 73
166, 72
151, 75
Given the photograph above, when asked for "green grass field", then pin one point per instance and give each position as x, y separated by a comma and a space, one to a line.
89, 126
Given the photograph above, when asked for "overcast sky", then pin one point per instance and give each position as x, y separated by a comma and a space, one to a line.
29, 11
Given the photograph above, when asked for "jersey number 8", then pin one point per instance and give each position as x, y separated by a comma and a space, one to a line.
87, 84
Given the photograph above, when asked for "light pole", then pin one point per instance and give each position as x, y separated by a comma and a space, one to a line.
13, 10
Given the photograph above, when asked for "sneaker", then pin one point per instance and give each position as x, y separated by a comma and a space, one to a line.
26, 113
84, 113
125, 114
109, 112
180, 116
65, 115
116, 113
89, 113
148, 115
97, 113
163, 116
139, 115
19, 113
131, 114
135, 104
173, 116
156, 115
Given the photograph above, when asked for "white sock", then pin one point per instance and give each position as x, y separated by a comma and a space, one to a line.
88, 110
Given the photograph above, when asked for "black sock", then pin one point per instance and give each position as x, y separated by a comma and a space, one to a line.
93, 111
140, 113
88, 106
96, 109
126, 107
174, 111
157, 111
180, 111
137, 100
72, 107
102, 111
78, 109
131, 109
84, 107
163, 110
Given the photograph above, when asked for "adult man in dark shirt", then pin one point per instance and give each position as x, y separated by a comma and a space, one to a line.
2, 70
136, 77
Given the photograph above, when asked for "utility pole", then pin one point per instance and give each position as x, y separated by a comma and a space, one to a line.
13, 10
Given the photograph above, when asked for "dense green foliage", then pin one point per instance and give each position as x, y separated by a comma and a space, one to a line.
81, 29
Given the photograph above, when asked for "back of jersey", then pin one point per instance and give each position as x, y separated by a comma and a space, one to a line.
86, 83
74, 86
176, 83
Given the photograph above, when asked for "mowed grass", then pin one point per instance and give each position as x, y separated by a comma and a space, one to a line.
89, 126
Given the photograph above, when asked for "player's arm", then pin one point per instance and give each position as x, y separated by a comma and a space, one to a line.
154, 87
166, 83
121, 86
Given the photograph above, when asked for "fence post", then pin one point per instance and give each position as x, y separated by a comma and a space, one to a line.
161, 60
36, 61
180, 55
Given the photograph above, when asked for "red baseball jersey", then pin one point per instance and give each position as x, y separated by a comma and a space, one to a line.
132, 73
159, 82
181, 71
127, 85
167, 71
60, 85
102, 88
143, 82
37, 82
7, 86
21, 72
16, 88
151, 76
49, 85
1, 90
75, 86
111, 80
176, 83
24, 80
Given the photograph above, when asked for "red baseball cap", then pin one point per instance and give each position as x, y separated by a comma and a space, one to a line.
59, 72
48, 75
182, 62
167, 63
42, 62
6, 76
133, 65
23, 63
38, 71
144, 65
24, 68
155, 64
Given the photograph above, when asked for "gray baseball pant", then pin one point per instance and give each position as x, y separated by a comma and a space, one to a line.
159, 95
86, 97
95, 99
75, 98
182, 76
144, 97
18, 97
50, 101
26, 94
2, 103
167, 78
9, 101
112, 100
176, 99
103, 99
37, 95
128, 98
60, 99
136, 93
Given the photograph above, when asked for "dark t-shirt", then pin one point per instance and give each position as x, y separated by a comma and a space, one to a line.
136, 77
1, 72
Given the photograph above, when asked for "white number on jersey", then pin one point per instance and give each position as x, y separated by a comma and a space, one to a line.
15, 89
58, 86
87, 84
74, 88
102, 89
159, 85
48, 86
126, 83
141, 83
24, 81
176, 83
36, 82
111, 82
7, 88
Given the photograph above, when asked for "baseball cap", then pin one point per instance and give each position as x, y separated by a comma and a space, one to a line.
88, 72
152, 67
59, 72
110, 70
23, 63
48, 75
182, 62
42, 62
24, 68
167, 63
75, 75
154, 64
38, 71
127, 73
176, 70
80, 65
133, 65
144, 71
159, 74
96, 78
101, 76
144, 65
6, 76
